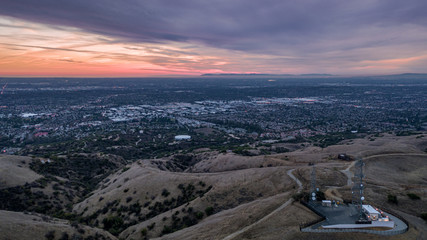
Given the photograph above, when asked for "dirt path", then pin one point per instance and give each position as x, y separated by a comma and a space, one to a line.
295, 179
395, 154
349, 174
235, 234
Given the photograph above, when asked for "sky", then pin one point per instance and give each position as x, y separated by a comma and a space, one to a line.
143, 38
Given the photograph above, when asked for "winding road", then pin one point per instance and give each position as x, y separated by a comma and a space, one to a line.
235, 234
350, 174
346, 171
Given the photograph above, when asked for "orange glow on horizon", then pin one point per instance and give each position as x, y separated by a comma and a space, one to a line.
32, 49
38, 50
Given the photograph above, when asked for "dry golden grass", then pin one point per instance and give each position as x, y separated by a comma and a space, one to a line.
14, 171
398, 175
227, 222
15, 225
243, 192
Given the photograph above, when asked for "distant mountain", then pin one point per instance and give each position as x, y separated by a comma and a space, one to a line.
401, 76
392, 76
244, 74
317, 74
264, 74
411, 74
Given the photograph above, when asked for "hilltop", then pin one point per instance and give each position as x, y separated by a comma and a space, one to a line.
15, 171
207, 194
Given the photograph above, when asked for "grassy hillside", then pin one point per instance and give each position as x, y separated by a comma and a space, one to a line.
205, 194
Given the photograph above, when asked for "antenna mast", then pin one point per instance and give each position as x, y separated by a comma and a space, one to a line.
313, 191
358, 187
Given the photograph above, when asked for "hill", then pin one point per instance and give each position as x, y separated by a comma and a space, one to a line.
15, 171
26, 226
206, 194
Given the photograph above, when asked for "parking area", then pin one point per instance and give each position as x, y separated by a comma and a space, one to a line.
348, 214
340, 214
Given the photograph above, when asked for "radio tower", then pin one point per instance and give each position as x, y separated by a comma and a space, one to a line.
313, 185
357, 189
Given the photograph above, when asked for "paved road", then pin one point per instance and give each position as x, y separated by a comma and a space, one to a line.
235, 234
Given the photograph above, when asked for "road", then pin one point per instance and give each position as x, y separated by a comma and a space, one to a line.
289, 172
347, 172
350, 174
235, 234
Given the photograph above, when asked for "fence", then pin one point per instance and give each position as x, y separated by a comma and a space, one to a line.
388, 232
305, 226
395, 214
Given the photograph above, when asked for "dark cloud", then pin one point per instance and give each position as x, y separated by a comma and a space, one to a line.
68, 60
49, 48
272, 26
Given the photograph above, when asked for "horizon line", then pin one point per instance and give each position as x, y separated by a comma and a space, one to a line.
322, 75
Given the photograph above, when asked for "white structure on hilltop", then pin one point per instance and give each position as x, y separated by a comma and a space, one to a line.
326, 203
376, 217
182, 137
371, 212
369, 216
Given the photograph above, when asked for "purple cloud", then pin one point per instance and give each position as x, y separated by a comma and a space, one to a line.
236, 24
304, 29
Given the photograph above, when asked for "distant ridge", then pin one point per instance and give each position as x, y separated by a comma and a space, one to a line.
244, 74
316, 75
411, 74
393, 76
266, 74
402, 76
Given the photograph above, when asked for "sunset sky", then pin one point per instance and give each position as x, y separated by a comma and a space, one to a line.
140, 38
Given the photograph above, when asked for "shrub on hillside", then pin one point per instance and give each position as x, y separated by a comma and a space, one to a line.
413, 196
113, 224
392, 199
209, 211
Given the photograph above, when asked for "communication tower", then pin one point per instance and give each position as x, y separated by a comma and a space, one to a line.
313, 190
358, 187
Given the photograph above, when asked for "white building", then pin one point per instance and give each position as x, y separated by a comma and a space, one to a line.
326, 203
182, 137
371, 212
